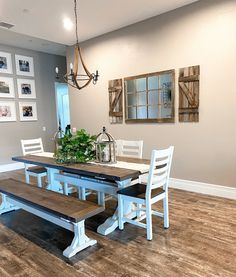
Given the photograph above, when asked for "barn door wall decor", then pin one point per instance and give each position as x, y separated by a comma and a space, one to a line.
115, 89
189, 94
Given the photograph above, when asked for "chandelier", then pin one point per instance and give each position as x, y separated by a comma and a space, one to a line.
74, 78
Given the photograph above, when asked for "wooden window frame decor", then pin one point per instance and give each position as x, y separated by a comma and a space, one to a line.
150, 98
115, 90
189, 94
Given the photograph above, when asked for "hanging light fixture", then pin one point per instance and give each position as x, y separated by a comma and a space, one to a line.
74, 78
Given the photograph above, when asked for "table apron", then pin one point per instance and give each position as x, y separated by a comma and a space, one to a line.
88, 183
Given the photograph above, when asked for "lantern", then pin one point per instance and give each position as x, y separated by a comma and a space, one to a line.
105, 148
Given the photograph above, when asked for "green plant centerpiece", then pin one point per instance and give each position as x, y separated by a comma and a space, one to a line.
77, 148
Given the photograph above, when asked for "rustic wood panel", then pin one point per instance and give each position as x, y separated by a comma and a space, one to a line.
115, 89
189, 94
55, 203
200, 242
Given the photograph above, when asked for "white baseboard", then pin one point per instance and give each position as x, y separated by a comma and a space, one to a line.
205, 188
11, 167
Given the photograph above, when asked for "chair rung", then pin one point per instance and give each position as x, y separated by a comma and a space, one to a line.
137, 223
157, 214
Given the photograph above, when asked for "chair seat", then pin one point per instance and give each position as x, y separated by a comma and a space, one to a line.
139, 190
37, 169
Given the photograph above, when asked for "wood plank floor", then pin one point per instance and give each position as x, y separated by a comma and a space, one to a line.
201, 241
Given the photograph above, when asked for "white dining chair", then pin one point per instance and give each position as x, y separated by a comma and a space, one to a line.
144, 195
129, 148
33, 146
124, 148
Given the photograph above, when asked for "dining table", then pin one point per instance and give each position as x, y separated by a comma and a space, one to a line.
105, 178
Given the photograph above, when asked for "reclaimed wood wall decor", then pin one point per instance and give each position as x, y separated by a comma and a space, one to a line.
189, 94
115, 89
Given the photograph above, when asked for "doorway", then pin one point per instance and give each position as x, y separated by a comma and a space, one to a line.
62, 103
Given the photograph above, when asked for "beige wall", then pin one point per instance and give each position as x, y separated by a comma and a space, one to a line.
203, 33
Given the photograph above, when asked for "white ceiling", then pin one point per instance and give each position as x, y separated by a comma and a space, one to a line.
44, 18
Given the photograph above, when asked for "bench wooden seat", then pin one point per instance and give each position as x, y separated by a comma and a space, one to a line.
65, 211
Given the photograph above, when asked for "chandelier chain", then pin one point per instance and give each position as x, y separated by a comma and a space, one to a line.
76, 22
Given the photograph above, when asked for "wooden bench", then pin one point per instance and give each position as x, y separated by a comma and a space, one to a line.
65, 211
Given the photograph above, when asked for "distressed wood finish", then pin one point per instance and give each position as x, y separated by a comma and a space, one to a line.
115, 89
199, 243
48, 201
87, 169
189, 94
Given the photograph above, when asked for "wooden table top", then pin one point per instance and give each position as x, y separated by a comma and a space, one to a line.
48, 201
87, 169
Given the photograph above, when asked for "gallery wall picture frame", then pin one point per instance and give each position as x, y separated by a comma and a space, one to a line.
28, 111
24, 65
7, 111
5, 62
6, 87
26, 88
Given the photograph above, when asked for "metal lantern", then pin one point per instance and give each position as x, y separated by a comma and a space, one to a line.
105, 148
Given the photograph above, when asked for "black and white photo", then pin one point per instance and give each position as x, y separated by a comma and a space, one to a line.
7, 111
24, 65
28, 111
5, 63
26, 88
6, 87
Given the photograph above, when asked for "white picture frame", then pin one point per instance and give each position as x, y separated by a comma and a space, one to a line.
24, 65
28, 111
7, 87
5, 63
7, 111
26, 88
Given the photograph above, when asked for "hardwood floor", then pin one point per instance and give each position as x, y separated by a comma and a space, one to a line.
201, 241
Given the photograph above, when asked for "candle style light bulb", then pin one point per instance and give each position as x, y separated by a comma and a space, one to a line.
57, 70
71, 66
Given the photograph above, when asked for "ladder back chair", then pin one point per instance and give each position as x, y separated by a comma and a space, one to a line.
144, 195
129, 148
124, 148
33, 146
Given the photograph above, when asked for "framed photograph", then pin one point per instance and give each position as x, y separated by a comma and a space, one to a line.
28, 111
26, 88
24, 65
6, 87
7, 111
5, 63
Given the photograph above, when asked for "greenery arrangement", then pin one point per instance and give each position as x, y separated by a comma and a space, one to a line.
77, 148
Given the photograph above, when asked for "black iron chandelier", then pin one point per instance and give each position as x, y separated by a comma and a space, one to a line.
74, 78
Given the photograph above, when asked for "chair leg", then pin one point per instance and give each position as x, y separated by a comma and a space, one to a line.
166, 212
120, 212
139, 212
149, 221
65, 188
83, 194
39, 179
101, 198
27, 177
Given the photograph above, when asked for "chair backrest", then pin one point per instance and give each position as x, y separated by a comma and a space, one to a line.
31, 146
158, 177
129, 148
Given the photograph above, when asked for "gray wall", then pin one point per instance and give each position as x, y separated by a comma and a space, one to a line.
204, 34
13, 132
